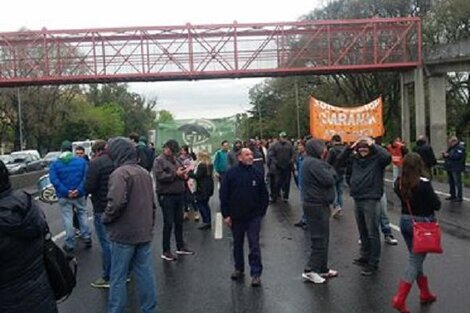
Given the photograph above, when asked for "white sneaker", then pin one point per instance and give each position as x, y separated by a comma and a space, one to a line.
330, 274
313, 277
390, 240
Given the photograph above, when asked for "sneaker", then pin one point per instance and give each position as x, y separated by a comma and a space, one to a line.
185, 216
330, 274
336, 213
390, 240
69, 252
255, 281
457, 200
205, 226
168, 256
359, 242
361, 262
450, 198
300, 224
87, 242
184, 251
369, 270
197, 216
100, 283
313, 277
77, 233
236, 275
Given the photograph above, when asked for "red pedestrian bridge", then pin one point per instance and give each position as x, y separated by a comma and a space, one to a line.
191, 52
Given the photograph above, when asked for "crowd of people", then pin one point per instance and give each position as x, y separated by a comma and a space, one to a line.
126, 181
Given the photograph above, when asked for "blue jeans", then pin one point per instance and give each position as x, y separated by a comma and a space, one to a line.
338, 203
105, 246
395, 172
455, 184
205, 210
414, 268
66, 206
384, 222
252, 229
139, 256
368, 220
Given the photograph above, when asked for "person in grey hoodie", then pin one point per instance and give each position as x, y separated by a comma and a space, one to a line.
129, 218
367, 188
318, 188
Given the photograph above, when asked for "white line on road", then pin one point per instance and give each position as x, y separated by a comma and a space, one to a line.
218, 226
62, 233
437, 191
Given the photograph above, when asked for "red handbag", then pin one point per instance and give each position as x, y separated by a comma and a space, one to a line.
426, 235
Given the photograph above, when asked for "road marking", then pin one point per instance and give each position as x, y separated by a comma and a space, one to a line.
218, 226
62, 233
436, 191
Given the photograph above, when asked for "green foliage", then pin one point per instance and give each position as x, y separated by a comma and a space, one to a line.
164, 116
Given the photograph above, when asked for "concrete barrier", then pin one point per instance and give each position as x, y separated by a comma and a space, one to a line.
26, 180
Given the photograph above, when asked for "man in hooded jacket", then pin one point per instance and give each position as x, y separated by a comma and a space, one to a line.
24, 284
130, 218
318, 189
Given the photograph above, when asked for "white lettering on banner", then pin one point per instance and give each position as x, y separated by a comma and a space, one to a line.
347, 118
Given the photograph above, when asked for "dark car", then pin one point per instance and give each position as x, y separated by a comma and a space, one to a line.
23, 162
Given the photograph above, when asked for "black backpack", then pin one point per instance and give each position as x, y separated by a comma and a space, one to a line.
62, 277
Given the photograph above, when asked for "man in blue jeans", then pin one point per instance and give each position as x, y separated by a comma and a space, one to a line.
67, 174
243, 202
101, 167
129, 218
455, 157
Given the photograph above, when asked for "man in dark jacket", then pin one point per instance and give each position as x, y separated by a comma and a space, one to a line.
145, 154
455, 157
170, 177
24, 284
96, 184
318, 189
232, 156
243, 202
426, 152
281, 158
130, 218
367, 188
68, 174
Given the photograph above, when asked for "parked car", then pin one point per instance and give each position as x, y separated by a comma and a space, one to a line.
50, 158
24, 161
5, 158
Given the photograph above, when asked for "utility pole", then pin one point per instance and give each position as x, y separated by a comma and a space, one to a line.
20, 119
259, 120
297, 106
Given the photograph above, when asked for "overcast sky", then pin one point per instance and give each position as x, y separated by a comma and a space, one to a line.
209, 98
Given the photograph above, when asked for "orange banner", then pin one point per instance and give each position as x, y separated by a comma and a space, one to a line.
350, 123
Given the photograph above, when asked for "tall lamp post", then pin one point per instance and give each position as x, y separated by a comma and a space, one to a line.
297, 106
20, 119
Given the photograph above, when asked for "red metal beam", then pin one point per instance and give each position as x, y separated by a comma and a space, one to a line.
208, 51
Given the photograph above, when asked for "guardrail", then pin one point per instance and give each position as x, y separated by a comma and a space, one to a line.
26, 180
440, 168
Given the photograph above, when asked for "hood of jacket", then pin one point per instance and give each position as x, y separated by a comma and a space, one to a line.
65, 157
122, 151
19, 217
315, 148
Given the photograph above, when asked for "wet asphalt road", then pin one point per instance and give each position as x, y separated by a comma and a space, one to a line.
201, 283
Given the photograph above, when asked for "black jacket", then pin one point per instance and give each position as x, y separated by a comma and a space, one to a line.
424, 200
243, 193
24, 286
332, 159
367, 175
97, 179
455, 162
204, 181
426, 153
281, 156
318, 178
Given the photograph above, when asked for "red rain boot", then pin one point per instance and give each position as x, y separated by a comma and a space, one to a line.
425, 295
399, 299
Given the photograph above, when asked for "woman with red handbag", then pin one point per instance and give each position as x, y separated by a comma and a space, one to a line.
418, 201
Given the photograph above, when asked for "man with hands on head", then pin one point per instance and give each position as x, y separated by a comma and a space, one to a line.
367, 187
244, 200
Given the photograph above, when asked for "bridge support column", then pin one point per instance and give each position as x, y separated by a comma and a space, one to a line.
420, 107
438, 118
405, 109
